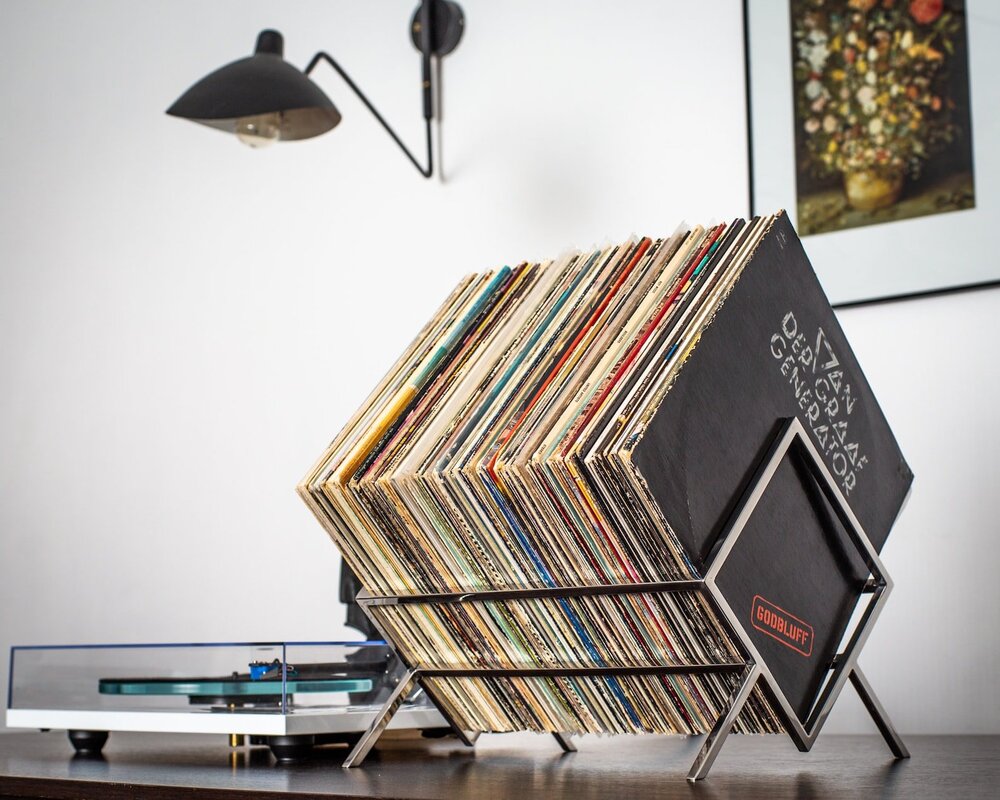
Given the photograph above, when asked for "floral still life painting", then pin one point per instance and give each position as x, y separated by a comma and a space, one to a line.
882, 113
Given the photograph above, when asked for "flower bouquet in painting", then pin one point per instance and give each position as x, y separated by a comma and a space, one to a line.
881, 111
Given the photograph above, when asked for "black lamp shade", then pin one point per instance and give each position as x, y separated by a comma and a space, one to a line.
264, 83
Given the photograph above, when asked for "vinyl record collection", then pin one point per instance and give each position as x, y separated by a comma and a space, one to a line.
497, 453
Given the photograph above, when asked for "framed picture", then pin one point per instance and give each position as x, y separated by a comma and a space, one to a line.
872, 122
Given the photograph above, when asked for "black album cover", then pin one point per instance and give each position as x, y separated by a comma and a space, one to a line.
776, 350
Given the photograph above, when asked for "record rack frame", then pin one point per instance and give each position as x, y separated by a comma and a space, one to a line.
752, 669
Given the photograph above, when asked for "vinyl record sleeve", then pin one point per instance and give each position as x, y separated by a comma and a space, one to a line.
774, 350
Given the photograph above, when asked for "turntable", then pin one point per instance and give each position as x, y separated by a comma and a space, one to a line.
290, 696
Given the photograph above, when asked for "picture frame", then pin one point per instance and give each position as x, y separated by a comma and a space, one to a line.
887, 255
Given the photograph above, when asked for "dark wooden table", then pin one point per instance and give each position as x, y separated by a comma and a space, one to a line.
517, 766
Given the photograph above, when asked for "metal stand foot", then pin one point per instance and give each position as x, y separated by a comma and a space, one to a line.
714, 741
564, 742
385, 714
468, 738
382, 719
878, 714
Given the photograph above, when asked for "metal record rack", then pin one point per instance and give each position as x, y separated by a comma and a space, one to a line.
752, 669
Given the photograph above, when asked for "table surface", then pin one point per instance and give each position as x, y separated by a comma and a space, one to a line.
138, 765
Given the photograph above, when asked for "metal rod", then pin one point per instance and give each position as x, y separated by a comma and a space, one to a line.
723, 725
882, 721
425, 57
844, 666
381, 719
468, 738
426, 172
439, 115
579, 672
485, 595
785, 713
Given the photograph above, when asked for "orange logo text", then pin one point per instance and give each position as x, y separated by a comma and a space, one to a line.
779, 624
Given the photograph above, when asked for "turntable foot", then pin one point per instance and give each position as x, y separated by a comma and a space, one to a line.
291, 748
88, 742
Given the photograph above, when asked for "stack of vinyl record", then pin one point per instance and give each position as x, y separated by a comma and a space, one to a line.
519, 443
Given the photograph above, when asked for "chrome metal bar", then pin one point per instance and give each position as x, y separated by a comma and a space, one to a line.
882, 721
660, 587
752, 494
564, 742
469, 738
382, 719
785, 713
580, 672
845, 664
717, 737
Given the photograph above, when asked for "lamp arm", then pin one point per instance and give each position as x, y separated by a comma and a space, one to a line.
426, 172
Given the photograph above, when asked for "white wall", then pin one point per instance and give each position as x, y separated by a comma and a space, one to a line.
185, 323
